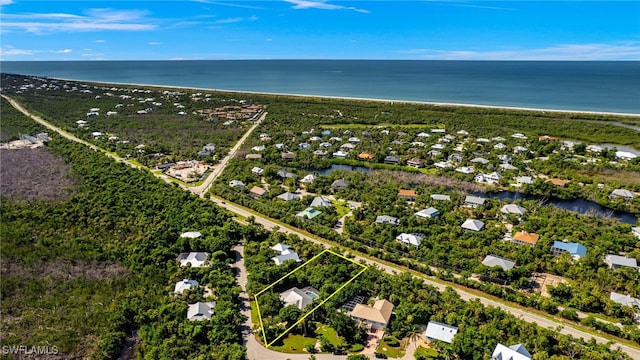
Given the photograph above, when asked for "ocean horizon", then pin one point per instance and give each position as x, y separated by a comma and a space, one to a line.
585, 86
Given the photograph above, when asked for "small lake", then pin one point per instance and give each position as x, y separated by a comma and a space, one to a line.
580, 205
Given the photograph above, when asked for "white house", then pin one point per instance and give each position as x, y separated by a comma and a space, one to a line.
622, 193
513, 209
185, 284
466, 170
200, 311
513, 352
284, 253
616, 261
428, 213
195, 259
473, 225
440, 331
340, 154
320, 201
298, 298
410, 239
257, 170
625, 300
308, 179
625, 155
237, 184
491, 261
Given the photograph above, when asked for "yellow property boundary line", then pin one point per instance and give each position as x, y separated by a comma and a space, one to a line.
255, 297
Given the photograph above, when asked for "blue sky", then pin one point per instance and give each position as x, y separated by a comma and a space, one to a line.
318, 29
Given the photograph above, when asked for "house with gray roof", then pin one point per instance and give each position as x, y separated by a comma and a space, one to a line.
286, 255
625, 300
299, 298
617, 261
428, 213
622, 194
440, 197
340, 184
193, 259
185, 284
474, 201
288, 196
492, 260
200, 311
437, 331
386, 219
513, 209
513, 352
320, 201
410, 239
473, 225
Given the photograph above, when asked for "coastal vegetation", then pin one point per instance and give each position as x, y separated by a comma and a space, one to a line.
92, 272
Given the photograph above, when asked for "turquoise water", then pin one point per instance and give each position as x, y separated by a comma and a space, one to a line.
311, 295
601, 86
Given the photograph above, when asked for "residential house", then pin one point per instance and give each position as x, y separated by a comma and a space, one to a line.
185, 284
463, 132
625, 300
617, 261
325, 145
259, 148
498, 139
320, 201
466, 169
410, 239
315, 138
423, 135
513, 209
253, 156
193, 259
415, 162
200, 311
513, 352
636, 231
320, 153
299, 298
482, 140
519, 136
237, 184
625, 155
392, 160
340, 184
340, 154
507, 167
576, 250
442, 165
308, 179
191, 234
397, 142
520, 150
309, 213
209, 147
284, 253
428, 213
288, 196
437, 146
366, 156
407, 194
473, 225
386, 219
438, 131
622, 194
440, 197
376, 316
499, 146
474, 201
525, 238
304, 146
288, 156
480, 160
491, 179
257, 170
283, 173
325, 132
492, 260
558, 182
257, 192
440, 332
354, 140
520, 180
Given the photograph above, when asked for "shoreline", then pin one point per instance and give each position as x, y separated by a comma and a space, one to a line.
416, 102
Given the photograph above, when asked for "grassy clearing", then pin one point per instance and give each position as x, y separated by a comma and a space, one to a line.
295, 344
342, 207
425, 353
330, 334
390, 351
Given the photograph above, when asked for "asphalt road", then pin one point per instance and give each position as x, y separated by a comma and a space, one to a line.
254, 349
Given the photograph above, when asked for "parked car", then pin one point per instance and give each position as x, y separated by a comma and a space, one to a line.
379, 355
339, 352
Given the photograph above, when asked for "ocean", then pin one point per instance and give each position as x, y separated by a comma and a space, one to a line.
598, 86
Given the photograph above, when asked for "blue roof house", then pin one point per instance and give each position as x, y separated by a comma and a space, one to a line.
576, 250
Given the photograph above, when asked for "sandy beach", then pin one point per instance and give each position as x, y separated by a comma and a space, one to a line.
444, 104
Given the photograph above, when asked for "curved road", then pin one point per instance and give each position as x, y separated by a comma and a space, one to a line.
254, 349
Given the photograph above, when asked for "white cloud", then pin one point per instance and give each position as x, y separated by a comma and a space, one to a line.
9, 50
566, 52
94, 20
229, 4
322, 5
6, 2
100, 41
228, 21
154, 43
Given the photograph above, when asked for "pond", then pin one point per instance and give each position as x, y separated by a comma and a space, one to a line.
580, 205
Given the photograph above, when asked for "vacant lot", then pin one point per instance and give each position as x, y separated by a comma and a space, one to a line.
30, 174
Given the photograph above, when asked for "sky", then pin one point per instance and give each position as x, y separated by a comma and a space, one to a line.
318, 29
